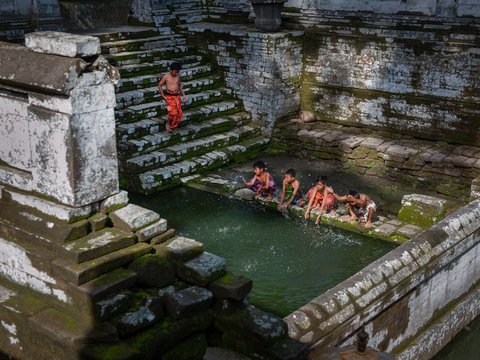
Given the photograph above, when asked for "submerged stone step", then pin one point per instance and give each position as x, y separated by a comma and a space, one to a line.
98, 244
181, 151
149, 43
79, 274
170, 175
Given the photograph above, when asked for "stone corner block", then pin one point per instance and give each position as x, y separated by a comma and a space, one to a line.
150, 231
63, 44
183, 249
422, 210
203, 269
232, 287
114, 202
188, 302
133, 217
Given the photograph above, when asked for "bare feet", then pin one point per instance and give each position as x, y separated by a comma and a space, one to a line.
368, 225
168, 128
352, 218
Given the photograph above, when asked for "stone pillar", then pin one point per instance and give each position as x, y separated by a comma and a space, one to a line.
66, 151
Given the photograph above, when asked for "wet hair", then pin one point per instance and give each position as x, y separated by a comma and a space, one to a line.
322, 179
176, 65
260, 164
354, 193
290, 172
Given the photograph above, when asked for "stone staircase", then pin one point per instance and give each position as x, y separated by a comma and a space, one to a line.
215, 129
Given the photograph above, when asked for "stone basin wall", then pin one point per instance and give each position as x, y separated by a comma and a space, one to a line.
412, 301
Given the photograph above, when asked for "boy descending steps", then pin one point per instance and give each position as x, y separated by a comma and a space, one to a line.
171, 95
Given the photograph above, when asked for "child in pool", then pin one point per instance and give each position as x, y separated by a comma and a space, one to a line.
360, 206
321, 197
262, 182
290, 190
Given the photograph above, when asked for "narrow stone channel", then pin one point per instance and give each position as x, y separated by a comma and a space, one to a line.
289, 261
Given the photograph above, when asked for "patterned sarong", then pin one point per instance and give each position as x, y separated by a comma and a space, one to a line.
174, 108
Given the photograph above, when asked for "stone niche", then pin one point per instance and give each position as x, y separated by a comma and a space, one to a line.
66, 149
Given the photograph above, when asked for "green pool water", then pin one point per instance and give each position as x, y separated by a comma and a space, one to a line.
289, 261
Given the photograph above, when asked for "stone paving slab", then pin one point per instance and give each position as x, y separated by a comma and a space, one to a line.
133, 217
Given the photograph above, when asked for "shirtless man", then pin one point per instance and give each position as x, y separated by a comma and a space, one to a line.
360, 206
171, 95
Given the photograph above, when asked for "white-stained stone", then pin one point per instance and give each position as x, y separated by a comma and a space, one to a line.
64, 44
133, 217
245, 194
59, 211
153, 230
114, 202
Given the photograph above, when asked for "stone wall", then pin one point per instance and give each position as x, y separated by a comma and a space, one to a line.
416, 76
264, 69
427, 285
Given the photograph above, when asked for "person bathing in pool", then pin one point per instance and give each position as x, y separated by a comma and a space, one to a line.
321, 197
262, 182
360, 206
290, 190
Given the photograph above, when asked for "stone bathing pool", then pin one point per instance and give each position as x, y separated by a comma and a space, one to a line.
289, 261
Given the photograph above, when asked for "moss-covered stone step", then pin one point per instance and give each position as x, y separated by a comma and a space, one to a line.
189, 149
79, 274
151, 93
199, 113
131, 70
137, 57
110, 283
155, 108
66, 330
154, 142
127, 32
171, 175
143, 81
149, 43
29, 221
97, 244
154, 126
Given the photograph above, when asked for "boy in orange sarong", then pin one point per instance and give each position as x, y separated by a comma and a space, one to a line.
171, 95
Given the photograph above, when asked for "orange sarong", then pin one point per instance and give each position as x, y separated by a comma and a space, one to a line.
174, 108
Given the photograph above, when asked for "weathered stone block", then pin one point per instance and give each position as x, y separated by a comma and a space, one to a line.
113, 305
133, 217
183, 249
231, 287
64, 44
170, 233
252, 323
145, 311
409, 231
385, 229
153, 270
114, 202
203, 269
422, 210
189, 302
245, 194
152, 230
98, 221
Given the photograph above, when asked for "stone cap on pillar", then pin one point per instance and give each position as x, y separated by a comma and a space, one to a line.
63, 44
